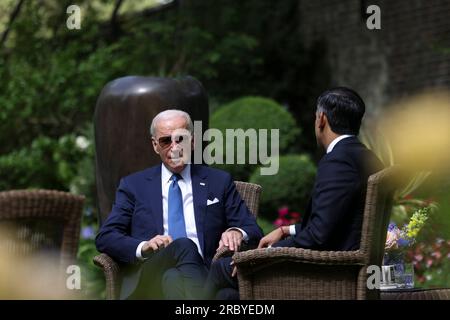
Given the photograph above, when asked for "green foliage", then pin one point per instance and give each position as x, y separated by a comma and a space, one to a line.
253, 113
437, 277
265, 224
47, 163
290, 187
55, 94
84, 180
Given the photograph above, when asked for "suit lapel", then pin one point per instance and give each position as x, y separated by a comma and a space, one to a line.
199, 194
155, 189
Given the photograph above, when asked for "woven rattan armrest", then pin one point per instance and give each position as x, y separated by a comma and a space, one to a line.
112, 274
271, 255
225, 252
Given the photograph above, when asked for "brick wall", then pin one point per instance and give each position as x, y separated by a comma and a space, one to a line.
411, 52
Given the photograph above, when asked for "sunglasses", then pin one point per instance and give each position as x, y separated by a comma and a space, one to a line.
165, 142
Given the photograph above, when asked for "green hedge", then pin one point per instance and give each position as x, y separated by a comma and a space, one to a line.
254, 113
290, 187
47, 163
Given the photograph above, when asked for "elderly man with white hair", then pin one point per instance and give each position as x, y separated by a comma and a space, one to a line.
168, 221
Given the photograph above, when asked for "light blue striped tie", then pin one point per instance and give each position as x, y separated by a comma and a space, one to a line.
177, 226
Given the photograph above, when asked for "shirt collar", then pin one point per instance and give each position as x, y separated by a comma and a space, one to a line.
336, 140
166, 174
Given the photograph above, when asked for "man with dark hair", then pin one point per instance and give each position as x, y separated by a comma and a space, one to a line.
344, 109
333, 217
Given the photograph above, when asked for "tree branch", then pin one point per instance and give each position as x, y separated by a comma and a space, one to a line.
12, 18
114, 21
160, 8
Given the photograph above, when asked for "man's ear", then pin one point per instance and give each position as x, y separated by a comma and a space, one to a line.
323, 120
155, 146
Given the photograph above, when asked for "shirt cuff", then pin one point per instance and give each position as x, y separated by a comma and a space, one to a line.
244, 234
292, 230
139, 251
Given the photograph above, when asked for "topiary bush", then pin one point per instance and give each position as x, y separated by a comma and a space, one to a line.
291, 187
254, 113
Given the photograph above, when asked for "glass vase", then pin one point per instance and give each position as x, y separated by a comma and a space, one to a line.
402, 272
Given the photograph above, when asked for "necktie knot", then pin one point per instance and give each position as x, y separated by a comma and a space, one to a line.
176, 177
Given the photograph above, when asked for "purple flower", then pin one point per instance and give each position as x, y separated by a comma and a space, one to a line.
392, 226
402, 242
88, 232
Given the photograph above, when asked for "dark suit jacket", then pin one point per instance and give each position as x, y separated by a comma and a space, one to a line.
333, 218
137, 213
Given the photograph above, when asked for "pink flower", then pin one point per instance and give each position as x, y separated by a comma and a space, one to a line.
283, 211
279, 222
295, 215
437, 255
418, 257
286, 218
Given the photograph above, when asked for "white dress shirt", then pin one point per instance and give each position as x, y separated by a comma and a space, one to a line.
329, 149
336, 140
188, 205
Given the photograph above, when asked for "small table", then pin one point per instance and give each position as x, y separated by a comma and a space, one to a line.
415, 294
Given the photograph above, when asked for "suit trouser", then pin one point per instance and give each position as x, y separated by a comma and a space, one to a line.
221, 285
175, 272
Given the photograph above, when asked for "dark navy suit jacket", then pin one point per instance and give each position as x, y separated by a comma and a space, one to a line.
137, 213
333, 218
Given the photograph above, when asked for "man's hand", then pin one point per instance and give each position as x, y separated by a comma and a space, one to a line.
275, 236
234, 272
231, 239
156, 243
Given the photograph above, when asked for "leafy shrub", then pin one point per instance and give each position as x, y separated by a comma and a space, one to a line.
254, 113
290, 187
47, 163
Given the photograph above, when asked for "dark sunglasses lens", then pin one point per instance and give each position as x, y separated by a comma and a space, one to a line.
165, 141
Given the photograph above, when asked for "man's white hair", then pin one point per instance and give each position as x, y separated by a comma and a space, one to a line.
170, 114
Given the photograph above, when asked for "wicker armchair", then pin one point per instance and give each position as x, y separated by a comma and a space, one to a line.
417, 294
36, 221
249, 192
296, 273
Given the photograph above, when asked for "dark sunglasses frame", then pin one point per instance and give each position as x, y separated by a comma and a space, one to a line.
166, 141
